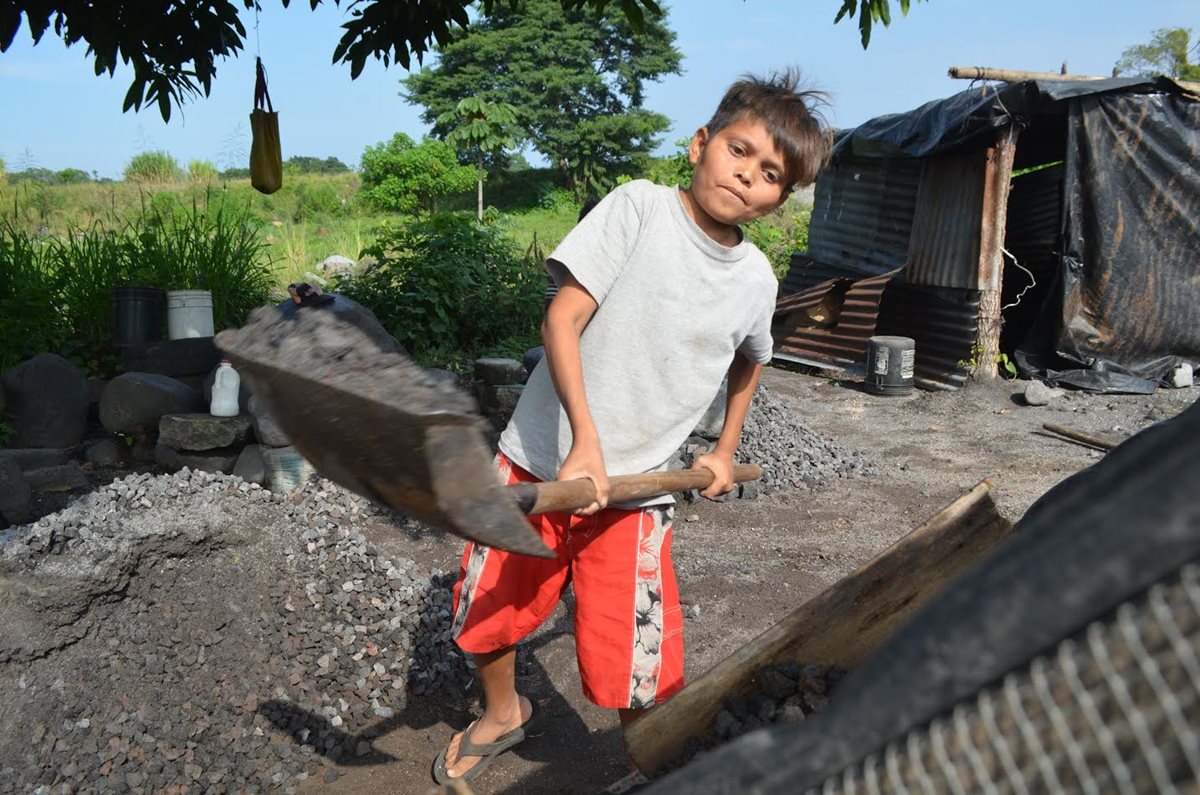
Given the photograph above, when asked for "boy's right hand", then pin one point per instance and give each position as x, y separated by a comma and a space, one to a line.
586, 460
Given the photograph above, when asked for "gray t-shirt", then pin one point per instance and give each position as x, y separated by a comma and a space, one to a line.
673, 307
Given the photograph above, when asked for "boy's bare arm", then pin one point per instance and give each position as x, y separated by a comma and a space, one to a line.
566, 318
743, 378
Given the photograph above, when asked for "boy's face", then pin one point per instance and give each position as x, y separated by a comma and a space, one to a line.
738, 173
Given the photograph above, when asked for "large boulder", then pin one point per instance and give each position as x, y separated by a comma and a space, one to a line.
265, 428
352, 312
47, 402
134, 403
249, 466
203, 431
66, 477
16, 498
35, 457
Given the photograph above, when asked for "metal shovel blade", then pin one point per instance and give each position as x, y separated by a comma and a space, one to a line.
378, 424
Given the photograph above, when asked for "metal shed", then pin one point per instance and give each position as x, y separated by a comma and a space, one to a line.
1053, 221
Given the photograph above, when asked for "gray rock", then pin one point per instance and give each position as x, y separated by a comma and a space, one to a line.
67, 477
532, 357
199, 431
1038, 394
500, 401
16, 498
1181, 377
499, 372
46, 402
250, 466
352, 312
35, 457
337, 265
265, 428
134, 403
222, 460
108, 453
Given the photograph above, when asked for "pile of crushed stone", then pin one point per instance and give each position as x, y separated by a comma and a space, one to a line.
193, 631
791, 455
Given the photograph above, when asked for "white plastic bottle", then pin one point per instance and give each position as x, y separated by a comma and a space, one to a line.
226, 384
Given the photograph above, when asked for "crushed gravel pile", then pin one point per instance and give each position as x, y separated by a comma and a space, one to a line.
791, 455
786, 693
192, 631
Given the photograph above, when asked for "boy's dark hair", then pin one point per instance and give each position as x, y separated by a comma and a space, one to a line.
791, 117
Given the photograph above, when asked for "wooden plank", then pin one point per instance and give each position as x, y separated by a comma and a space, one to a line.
841, 626
1093, 440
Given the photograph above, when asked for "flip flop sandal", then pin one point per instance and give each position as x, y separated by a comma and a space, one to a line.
308, 296
487, 752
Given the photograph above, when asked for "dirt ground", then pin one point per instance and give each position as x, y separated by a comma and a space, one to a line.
746, 564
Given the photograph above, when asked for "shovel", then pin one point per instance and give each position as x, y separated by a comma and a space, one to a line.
376, 423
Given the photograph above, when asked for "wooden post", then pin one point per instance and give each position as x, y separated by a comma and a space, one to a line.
841, 626
997, 179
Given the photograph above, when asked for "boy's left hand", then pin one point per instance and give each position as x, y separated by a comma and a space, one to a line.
722, 468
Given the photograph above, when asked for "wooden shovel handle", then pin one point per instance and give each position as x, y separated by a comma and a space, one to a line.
567, 495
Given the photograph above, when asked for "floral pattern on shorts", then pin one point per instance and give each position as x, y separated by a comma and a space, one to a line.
648, 608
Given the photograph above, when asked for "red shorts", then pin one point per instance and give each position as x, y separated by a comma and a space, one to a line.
628, 628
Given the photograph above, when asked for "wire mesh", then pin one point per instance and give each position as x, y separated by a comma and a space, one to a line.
1114, 709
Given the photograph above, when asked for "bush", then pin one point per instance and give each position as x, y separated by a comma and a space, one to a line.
31, 318
152, 167
214, 247
202, 171
404, 177
451, 290
780, 234
56, 292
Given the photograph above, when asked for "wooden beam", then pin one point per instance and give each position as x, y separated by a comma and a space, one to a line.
1017, 75
1011, 75
840, 626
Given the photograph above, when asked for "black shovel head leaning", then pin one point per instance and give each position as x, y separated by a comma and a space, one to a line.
376, 423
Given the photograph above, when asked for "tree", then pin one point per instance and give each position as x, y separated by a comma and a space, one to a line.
173, 45
405, 177
1167, 53
483, 128
577, 84
305, 164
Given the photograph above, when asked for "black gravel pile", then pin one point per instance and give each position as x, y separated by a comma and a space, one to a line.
791, 455
195, 632
786, 694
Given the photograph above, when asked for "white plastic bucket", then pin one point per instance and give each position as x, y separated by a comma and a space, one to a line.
189, 314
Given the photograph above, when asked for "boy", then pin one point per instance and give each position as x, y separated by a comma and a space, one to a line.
660, 297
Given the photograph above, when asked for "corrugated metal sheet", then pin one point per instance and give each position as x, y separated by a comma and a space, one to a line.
806, 273
947, 222
1035, 218
863, 214
942, 322
844, 345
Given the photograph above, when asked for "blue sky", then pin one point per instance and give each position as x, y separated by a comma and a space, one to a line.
57, 114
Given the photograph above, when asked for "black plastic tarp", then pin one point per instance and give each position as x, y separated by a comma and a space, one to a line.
1126, 309
962, 119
